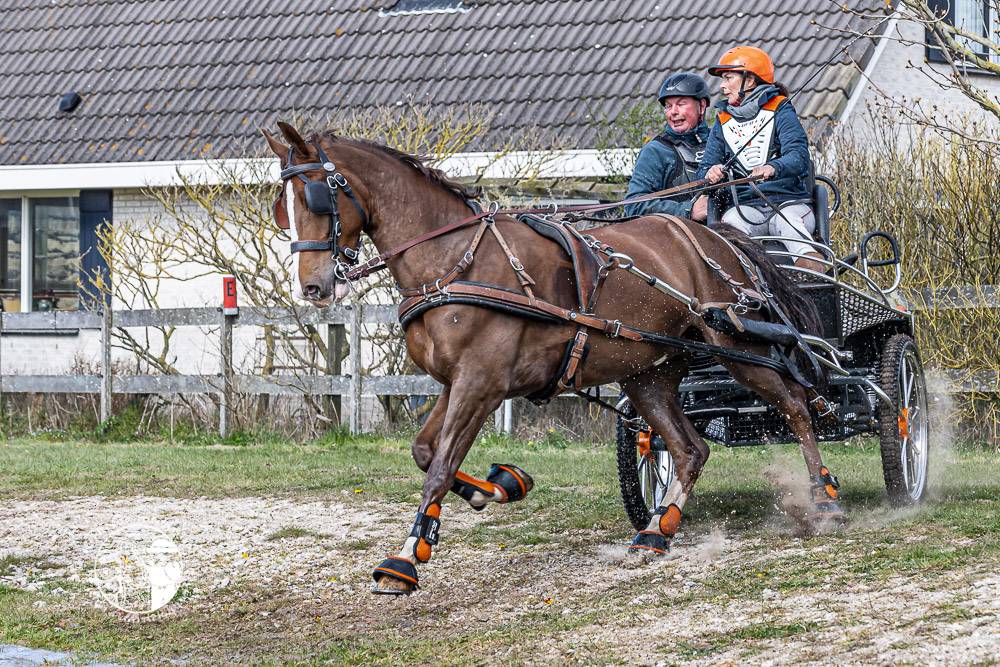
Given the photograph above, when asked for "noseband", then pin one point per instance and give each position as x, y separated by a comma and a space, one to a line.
321, 199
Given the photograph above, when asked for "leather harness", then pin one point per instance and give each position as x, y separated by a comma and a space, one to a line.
589, 269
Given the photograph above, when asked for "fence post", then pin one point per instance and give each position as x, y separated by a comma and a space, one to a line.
355, 352
3, 411
106, 389
226, 396
335, 335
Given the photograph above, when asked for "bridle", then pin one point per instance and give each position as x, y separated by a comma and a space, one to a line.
321, 199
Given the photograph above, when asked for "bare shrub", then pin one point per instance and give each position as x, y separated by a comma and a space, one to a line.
938, 197
226, 227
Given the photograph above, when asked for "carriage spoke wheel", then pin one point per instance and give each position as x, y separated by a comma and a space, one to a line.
905, 435
644, 474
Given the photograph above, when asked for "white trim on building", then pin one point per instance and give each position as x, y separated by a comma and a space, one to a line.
28, 179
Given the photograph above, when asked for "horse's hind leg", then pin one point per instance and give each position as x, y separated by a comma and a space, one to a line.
503, 484
654, 395
790, 398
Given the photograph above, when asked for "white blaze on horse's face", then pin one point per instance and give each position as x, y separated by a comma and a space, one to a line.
293, 231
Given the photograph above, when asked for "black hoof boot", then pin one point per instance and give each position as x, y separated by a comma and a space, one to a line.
400, 574
826, 499
514, 482
650, 540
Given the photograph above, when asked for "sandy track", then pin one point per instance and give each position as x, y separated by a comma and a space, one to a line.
295, 595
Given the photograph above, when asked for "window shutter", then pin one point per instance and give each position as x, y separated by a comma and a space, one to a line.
939, 7
95, 211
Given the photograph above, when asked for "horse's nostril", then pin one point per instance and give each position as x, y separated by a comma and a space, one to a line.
311, 291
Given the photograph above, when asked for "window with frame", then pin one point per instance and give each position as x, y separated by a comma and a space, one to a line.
40, 245
978, 17
408, 7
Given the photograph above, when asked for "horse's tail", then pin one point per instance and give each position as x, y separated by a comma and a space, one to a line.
799, 308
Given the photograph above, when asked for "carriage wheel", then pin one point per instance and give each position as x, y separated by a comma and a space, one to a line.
905, 434
644, 476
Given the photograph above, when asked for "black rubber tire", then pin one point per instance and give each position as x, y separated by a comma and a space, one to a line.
895, 350
628, 473
637, 509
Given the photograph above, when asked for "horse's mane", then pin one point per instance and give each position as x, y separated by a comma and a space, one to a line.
433, 175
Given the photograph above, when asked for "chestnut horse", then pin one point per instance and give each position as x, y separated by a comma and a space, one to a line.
483, 356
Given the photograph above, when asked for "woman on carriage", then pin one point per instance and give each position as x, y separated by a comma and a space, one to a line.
758, 124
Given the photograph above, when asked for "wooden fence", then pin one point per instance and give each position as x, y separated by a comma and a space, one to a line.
344, 320
227, 383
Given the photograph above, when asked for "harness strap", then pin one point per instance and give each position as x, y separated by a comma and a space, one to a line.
503, 300
568, 379
522, 275
460, 268
736, 285
613, 328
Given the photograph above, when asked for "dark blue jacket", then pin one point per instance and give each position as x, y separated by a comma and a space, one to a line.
655, 170
791, 177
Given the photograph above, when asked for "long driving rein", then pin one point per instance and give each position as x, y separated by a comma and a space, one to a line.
321, 199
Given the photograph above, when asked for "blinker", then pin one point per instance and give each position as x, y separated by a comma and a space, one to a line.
279, 211
318, 198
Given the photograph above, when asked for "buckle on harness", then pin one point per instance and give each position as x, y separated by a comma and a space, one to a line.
823, 407
617, 329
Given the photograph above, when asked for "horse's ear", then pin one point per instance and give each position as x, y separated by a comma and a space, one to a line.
293, 138
279, 149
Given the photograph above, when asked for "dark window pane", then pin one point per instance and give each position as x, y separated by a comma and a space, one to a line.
56, 223
10, 253
425, 6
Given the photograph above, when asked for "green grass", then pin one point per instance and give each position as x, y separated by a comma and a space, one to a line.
574, 507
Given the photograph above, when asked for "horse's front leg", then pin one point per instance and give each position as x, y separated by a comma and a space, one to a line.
504, 483
462, 421
654, 395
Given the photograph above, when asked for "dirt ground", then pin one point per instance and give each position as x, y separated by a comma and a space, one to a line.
294, 575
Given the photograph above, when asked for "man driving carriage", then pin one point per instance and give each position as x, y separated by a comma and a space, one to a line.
672, 158
758, 124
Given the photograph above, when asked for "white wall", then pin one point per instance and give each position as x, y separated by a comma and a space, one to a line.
900, 74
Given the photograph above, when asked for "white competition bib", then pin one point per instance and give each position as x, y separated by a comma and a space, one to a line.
737, 133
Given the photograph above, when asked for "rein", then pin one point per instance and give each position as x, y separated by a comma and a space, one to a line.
378, 263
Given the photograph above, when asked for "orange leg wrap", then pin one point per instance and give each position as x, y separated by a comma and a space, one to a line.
670, 520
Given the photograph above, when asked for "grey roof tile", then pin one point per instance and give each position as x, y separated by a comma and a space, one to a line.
180, 79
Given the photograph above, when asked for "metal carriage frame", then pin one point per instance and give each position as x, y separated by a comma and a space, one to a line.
876, 385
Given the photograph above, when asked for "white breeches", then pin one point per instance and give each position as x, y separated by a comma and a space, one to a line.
795, 222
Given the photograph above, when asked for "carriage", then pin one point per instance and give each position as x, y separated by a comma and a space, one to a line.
876, 383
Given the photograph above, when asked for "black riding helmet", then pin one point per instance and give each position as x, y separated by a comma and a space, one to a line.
684, 84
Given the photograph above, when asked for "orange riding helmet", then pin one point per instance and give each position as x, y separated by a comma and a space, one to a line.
745, 59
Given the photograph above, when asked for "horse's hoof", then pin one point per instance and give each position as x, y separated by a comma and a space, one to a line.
649, 541
514, 482
830, 515
395, 576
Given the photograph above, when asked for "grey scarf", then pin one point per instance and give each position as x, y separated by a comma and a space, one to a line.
751, 103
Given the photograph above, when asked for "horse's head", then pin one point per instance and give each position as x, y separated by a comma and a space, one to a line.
321, 211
